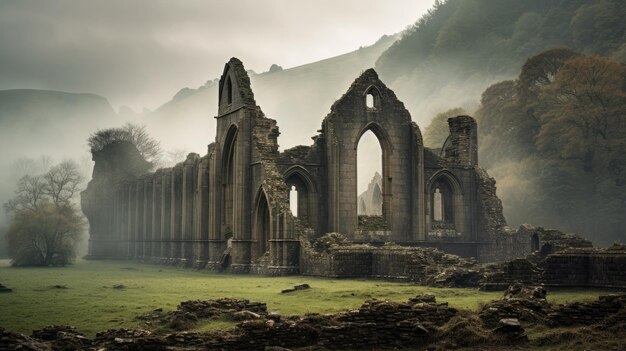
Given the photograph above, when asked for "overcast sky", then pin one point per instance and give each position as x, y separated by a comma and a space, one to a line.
140, 53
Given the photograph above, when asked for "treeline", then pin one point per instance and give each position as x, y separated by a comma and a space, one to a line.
555, 139
462, 46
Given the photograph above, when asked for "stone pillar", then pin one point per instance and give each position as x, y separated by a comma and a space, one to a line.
188, 192
147, 218
177, 204
462, 145
217, 244
132, 223
166, 216
120, 223
155, 254
202, 214
139, 199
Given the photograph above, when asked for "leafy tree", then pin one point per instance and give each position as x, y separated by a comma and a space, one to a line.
554, 139
437, 131
585, 109
46, 227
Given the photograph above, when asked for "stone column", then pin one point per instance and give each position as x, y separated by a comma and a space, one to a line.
155, 254
177, 204
217, 244
188, 191
132, 223
139, 199
166, 216
119, 224
147, 218
202, 214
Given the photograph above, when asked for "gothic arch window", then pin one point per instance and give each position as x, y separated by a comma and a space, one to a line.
229, 91
369, 179
442, 200
262, 224
229, 157
300, 194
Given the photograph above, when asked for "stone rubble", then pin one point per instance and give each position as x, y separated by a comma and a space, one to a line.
419, 322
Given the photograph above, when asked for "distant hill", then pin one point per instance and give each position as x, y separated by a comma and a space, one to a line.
460, 47
298, 98
36, 123
32, 121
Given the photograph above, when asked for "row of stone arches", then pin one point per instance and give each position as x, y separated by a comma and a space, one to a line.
445, 197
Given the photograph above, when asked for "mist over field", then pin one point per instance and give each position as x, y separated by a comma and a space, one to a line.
69, 69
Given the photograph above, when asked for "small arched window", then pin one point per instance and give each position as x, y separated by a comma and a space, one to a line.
372, 99
369, 101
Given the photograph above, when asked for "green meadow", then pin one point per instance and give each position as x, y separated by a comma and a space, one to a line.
88, 300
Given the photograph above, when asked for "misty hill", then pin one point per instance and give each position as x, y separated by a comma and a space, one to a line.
298, 98
43, 122
36, 123
460, 47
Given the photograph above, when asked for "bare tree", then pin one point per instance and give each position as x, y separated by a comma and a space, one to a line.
148, 147
45, 224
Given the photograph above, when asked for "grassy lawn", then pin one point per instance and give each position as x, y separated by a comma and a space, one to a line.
91, 304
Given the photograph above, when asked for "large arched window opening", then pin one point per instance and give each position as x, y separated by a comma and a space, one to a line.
299, 195
262, 223
369, 175
228, 181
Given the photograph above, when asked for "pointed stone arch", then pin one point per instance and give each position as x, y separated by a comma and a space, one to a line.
387, 149
308, 197
228, 173
262, 225
447, 186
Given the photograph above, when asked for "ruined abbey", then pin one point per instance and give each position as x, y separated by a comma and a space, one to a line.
229, 209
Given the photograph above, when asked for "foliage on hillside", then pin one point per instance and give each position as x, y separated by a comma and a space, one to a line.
466, 45
555, 139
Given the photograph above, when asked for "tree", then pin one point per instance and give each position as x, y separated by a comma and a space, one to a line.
149, 148
585, 108
45, 225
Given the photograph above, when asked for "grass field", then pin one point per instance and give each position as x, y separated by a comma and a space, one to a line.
91, 304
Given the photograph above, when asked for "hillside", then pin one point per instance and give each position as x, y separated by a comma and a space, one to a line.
461, 47
298, 98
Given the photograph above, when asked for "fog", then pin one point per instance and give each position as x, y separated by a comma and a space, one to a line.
140, 53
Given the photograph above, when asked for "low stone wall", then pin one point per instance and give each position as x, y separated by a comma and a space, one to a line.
374, 325
590, 268
579, 313
421, 265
